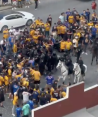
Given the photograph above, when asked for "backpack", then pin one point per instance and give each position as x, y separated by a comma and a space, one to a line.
93, 5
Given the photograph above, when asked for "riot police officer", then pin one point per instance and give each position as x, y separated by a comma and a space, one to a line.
80, 62
78, 52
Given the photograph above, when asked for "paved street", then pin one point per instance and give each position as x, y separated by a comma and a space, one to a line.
55, 7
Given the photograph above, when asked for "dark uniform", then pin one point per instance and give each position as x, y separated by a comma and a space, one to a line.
54, 61
80, 62
78, 52
69, 65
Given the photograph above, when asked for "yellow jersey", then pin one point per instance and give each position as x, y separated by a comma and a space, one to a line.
14, 48
47, 27
15, 100
18, 76
51, 91
37, 76
5, 34
90, 24
62, 45
1, 80
6, 80
63, 94
35, 38
32, 32
53, 99
58, 30
71, 19
68, 45
63, 29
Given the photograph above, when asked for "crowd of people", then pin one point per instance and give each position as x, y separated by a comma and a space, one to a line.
27, 55
24, 3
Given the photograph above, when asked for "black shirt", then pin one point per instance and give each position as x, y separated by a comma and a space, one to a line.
43, 100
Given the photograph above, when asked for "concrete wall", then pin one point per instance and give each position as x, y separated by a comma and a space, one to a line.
77, 98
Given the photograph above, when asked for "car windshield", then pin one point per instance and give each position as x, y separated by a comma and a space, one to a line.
19, 13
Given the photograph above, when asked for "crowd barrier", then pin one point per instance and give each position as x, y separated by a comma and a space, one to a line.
77, 98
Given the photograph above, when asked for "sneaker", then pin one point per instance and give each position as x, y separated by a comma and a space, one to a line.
13, 115
12, 8
25, 6
28, 6
39, 1
86, 53
82, 52
15, 8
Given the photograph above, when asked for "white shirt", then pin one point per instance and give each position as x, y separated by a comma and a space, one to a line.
61, 18
75, 42
25, 96
16, 33
12, 31
1, 42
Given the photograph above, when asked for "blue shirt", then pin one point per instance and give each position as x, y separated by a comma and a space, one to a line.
87, 14
18, 112
31, 104
53, 40
35, 95
15, 88
33, 63
93, 30
67, 14
10, 40
49, 79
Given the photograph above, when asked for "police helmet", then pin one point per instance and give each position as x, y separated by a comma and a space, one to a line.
61, 59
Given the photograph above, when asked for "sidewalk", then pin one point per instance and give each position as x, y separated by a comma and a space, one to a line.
5, 7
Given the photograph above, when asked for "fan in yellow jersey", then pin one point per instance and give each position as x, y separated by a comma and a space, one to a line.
82, 19
59, 30
90, 24
15, 102
53, 99
5, 33
46, 44
71, 19
32, 32
35, 38
9, 73
37, 76
25, 82
62, 45
37, 21
33, 25
63, 30
1, 80
62, 93
47, 29
15, 49
18, 76
6, 80
77, 35
68, 45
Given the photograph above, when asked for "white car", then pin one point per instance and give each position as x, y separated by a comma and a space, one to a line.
16, 19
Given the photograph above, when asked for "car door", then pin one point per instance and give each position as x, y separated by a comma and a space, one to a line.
19, 20
10, 21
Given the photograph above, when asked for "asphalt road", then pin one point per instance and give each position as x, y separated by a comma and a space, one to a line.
55, 7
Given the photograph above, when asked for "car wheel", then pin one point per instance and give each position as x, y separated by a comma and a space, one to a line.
29, 22
4, 28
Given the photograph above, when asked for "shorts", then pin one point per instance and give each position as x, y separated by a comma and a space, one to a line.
37, 82
14, 3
